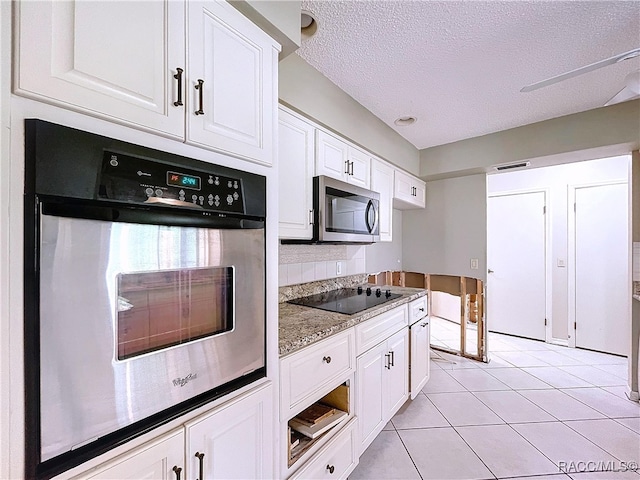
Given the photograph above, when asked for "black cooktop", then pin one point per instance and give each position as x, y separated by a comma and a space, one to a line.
347, 300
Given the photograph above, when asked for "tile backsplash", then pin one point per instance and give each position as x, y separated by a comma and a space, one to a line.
308, 263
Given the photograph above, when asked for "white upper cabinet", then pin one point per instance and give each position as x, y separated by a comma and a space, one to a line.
295, 170
337, 159
116, 59
408, 192
127, 62
359, 167
382, 182
231, 68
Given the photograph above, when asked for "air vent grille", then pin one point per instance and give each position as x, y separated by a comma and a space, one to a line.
511, 166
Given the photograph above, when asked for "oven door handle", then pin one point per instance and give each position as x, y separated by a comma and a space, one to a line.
152, 215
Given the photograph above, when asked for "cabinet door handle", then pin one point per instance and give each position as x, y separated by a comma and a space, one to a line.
424, 324
346, 166
421, 309
331, 468
200, 88
392, 358
326, 359
351, 171
201, 468
177, 471
178, 76
311, 217
387, 363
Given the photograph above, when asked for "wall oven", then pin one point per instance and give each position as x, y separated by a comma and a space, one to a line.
144, 290
344, 212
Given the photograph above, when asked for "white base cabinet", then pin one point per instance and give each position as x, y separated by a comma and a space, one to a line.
162, 458
420, 356
420, 339
235, 440
382, 383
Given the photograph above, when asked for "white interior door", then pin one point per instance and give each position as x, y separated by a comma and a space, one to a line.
601, 268
516, 258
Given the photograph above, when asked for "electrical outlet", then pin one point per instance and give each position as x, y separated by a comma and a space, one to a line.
474, 264
338, 268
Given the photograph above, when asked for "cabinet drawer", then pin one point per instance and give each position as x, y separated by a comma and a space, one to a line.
418, 309
336, 460
377, 329
314, 371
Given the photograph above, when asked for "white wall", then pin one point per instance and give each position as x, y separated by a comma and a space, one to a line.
450, 231
307, 91
557, 179
384, 256
589, 135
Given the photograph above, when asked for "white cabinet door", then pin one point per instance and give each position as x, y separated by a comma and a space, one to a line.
111, 59
331, 156
359, 167
295, 169
397, 390
420, 356
160, 459
232, 70
235, 441
382, 182
370, 406
409, 191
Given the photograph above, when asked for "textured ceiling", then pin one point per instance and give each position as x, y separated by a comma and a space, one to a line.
458, 66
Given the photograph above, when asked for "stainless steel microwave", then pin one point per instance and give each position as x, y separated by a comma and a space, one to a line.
344, 212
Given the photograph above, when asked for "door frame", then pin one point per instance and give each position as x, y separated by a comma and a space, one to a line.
547, 257
571, 250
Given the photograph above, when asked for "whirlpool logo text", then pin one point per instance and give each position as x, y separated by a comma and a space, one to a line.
181, 382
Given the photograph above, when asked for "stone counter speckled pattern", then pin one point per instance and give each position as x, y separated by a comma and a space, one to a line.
301, 326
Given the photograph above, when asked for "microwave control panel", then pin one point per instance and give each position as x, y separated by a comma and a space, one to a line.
137, 180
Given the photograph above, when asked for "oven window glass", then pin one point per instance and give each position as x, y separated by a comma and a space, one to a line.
346, 212
160, 309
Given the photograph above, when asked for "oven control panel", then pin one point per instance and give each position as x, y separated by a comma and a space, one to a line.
137, 180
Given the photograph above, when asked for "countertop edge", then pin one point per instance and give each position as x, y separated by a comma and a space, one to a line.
289, 347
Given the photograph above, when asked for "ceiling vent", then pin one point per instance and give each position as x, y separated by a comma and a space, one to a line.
511, 166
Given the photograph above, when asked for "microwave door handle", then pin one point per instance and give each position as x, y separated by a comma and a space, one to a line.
367, 214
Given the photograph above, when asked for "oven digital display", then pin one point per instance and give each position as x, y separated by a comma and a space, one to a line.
181, 180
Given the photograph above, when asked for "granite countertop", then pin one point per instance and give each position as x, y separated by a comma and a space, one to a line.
301, 326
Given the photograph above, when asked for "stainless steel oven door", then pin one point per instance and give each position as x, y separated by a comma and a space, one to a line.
137, 318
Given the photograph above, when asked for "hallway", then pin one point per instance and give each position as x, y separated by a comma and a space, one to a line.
536, 410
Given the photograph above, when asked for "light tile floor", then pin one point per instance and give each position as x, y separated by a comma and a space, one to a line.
535, 411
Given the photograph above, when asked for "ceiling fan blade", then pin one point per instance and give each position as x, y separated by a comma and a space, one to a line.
622, 96
582, 70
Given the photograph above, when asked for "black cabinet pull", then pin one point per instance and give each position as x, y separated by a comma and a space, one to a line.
177, 470
200, 458
387, 363
326, 359
200, 88
351, 170
178, 76
392, 358
331, 468
346, 164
